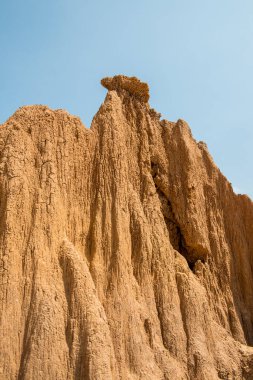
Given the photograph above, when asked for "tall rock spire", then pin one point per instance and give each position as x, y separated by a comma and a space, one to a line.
124, 252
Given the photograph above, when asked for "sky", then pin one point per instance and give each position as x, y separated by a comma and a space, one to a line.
197, 57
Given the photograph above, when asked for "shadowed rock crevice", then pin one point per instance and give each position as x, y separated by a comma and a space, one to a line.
177, 239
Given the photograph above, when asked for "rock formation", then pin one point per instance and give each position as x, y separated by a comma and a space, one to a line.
124, 252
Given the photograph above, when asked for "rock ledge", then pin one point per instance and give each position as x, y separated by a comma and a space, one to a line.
131, 84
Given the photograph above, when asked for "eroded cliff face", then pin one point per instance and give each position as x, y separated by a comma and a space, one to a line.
125, 253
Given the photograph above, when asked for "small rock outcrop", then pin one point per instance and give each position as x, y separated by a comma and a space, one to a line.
130, 84
124, 252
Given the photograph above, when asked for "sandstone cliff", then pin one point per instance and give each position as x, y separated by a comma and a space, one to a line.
124, 253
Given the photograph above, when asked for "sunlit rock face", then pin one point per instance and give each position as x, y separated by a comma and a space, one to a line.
124, 253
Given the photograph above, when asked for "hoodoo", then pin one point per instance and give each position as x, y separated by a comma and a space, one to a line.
124, 252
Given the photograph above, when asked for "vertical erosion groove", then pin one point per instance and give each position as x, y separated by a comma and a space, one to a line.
175, 232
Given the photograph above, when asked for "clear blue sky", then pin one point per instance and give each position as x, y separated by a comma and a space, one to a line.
196, 55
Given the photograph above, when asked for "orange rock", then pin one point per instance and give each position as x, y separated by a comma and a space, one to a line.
124, 252
130, 84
